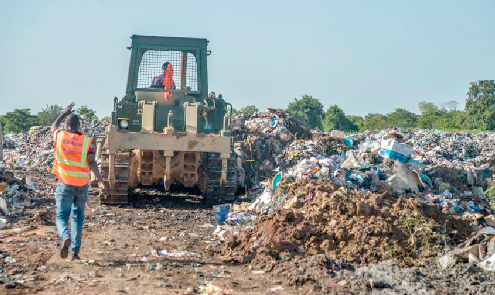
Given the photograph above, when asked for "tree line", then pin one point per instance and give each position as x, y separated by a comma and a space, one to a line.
478, 114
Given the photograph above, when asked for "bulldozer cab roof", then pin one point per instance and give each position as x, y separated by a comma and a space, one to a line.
168, 41
187, 56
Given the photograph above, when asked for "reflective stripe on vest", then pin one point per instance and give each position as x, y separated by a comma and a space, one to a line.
74, 174
71, 158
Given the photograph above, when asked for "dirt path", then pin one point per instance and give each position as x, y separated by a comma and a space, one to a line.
160, 246
164, 245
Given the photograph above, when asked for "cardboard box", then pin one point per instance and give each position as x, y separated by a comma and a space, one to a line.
337, 134
397, 151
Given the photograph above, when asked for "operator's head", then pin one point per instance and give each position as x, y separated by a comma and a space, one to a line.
73, 123
164, 67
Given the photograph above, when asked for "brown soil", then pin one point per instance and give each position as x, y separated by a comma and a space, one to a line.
324, 229
121, 253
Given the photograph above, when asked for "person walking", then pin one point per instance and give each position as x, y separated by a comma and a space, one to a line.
74, 158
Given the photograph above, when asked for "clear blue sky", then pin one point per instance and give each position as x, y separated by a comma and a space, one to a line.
365, 56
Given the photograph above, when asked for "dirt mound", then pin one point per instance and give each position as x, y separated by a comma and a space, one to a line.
322, 228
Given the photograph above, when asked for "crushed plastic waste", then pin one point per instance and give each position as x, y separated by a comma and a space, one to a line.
266, 134
221, 212
445, 168
14, 194
478, 249
325, 197
35, 147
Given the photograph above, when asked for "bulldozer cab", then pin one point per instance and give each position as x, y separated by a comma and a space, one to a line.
187, 68
165, 74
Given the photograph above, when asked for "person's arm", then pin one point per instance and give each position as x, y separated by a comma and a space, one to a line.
62, 116
156, 82
93, 166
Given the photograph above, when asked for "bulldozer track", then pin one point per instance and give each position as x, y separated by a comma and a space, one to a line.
213, 173
119, 194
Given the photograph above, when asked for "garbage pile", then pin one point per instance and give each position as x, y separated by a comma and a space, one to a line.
399, 163
266, 134
273, 122
35, 147
479, 249
7, 143
338, 201
321, 225
19, 195
451, 169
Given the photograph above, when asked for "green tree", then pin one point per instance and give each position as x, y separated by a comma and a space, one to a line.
427, 107
49, 114
451, 120
85, 111
335, 119
429, 114
106, 119
450, 106
235, 112
402, 118
375, 122
307, 110
356, 120
480, 105
250, 109
20, 120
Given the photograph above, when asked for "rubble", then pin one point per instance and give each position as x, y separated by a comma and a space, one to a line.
266, 134
20, 196
378, 162
478, 249
35, 147
345, 225
344, 200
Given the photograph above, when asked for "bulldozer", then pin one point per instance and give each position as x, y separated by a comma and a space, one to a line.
168, 130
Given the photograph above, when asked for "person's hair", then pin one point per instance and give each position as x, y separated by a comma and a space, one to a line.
73, 122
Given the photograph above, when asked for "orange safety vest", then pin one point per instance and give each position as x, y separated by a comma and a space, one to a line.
168, 82
71, 158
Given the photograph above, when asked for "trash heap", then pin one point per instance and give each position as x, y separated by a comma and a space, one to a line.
451, 169
320, 227
396, 162
339, 201
266, 134
479, 249
20, 197
35, 147
7, 143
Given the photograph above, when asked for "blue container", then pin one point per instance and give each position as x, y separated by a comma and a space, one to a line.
221, 212
393, 155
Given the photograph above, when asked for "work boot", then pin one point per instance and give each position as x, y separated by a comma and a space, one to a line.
74, 256
64, 252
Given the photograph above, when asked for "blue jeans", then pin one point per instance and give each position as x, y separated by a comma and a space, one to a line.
71, 198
